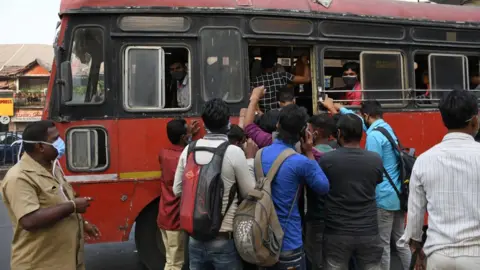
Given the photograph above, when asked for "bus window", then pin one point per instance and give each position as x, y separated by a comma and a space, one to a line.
383, 76
156, 78
222, 65
438, 73
87, 149
144, 78
474, 72
87, 64
354, 76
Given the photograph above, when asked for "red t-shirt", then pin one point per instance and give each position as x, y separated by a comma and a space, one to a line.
356, 95
169, 206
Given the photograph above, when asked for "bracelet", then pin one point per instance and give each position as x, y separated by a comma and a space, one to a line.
74, 206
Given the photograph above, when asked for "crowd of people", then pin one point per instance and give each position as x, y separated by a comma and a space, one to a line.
335, 201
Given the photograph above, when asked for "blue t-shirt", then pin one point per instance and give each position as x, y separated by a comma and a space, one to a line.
295, 171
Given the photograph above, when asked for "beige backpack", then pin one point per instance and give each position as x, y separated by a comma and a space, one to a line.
257, 232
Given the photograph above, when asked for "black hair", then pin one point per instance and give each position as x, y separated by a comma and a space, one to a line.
354, 66
351, 127
236, 134
216, 115
176, 128
269, 57
323, 121
457, 108
181, 61
372, 108
285, 94
291, 121
36, 131
268, 121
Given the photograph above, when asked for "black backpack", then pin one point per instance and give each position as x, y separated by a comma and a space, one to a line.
407, 160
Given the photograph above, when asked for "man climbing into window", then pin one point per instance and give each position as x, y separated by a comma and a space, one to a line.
274, 81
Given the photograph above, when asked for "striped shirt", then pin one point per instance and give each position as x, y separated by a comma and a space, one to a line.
446, 182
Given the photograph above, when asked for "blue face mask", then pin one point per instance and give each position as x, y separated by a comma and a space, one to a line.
58, 144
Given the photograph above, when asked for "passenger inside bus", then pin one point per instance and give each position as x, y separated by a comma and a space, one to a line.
352, 85
303, 92
276, 72
353, 76
177, 78
449, 71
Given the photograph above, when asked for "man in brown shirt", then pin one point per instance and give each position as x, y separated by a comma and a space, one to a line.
48, 227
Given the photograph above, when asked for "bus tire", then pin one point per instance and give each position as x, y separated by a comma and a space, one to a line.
148, 238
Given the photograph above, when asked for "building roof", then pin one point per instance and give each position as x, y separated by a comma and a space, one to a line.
376, 8
15, 57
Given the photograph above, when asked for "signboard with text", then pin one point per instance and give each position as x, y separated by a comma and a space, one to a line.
6, 106
27, 116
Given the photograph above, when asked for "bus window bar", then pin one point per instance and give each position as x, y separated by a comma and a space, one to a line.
417, 95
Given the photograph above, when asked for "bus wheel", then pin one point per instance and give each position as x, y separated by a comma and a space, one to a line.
148, 238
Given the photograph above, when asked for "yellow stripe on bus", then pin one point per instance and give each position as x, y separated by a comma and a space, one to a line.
140, 175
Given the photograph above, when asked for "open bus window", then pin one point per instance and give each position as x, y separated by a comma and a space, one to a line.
156, 78
437, 73
222, 65
286, 67
354, 76
87, 149
87, 62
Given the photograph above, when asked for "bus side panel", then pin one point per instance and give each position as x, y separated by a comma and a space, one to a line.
116, 205
140, 142
419, 130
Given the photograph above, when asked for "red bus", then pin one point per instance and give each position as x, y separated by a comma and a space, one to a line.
110, 88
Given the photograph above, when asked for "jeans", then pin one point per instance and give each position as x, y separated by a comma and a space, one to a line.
220, 253
339, 249
391, 225
290, 260
314, 243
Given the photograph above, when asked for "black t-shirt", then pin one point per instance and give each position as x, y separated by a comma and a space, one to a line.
350, 205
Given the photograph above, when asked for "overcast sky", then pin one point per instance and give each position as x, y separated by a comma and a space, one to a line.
28, 21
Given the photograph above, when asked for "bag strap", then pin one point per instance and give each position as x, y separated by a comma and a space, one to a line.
398, 149
275, 166
293, 203
392, 183
389, 137
231, 197
257, 165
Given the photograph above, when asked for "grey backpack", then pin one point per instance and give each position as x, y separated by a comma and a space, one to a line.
258, 234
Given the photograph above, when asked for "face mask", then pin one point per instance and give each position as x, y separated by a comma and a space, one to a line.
350, 81
58, 144
178, 75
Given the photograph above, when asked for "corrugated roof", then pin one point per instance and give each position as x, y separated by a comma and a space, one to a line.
20, 55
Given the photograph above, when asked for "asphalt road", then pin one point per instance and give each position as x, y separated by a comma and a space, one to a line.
110, 256
98, 257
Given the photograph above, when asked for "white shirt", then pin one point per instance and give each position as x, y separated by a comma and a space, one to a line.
446, 182
183, 93
235, 169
